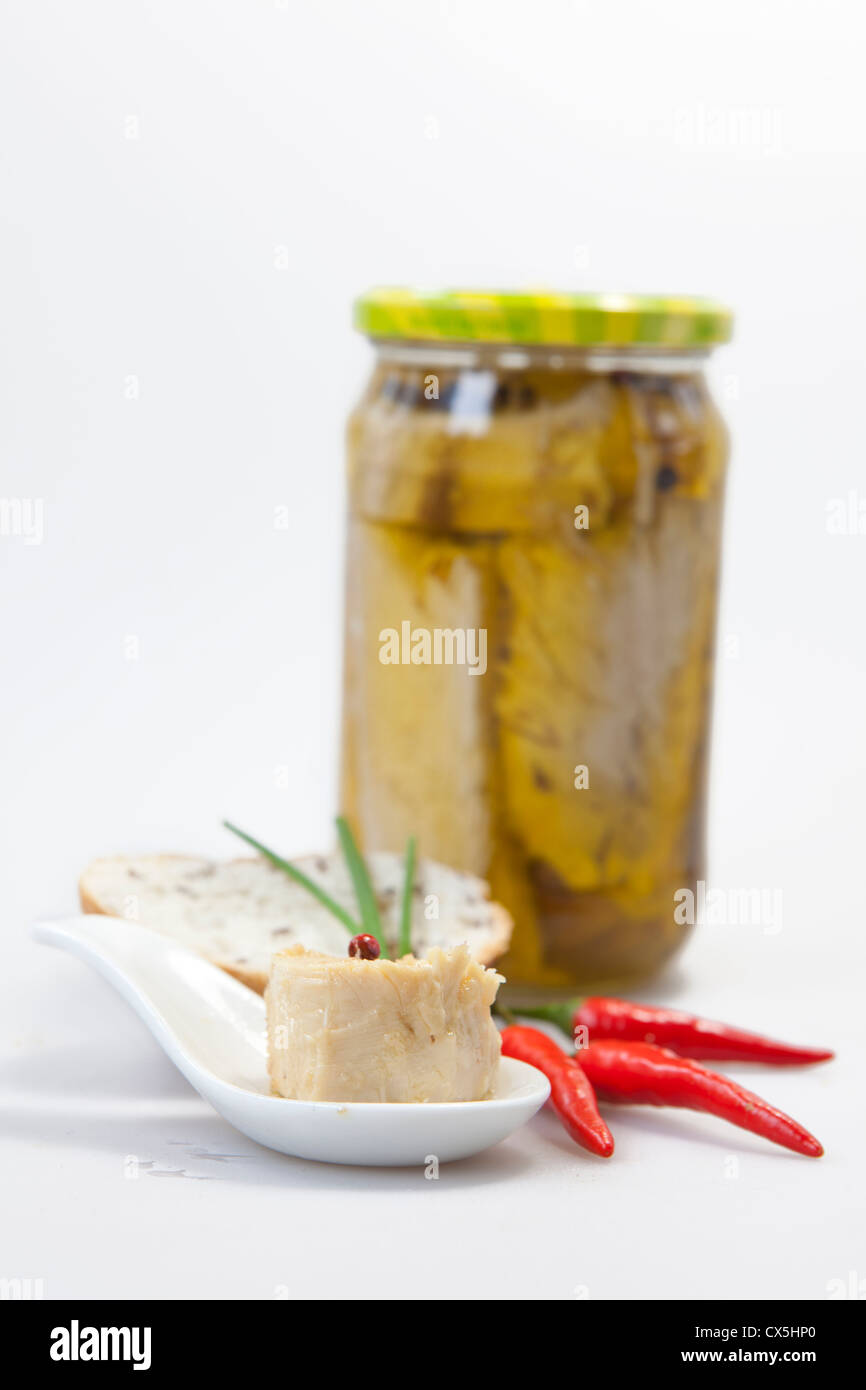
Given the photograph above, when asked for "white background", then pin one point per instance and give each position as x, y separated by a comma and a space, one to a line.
191, 195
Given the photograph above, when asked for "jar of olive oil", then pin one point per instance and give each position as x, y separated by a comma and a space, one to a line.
535, 512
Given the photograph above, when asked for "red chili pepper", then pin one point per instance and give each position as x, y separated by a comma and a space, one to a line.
571, 1094
644, 1074
686, 1034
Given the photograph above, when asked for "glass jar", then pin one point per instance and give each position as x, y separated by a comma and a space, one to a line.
535, 510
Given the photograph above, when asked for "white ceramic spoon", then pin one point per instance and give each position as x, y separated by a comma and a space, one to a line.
213, 1029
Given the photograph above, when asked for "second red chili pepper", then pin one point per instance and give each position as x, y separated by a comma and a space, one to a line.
684, 1033
571, 1094
644, 1074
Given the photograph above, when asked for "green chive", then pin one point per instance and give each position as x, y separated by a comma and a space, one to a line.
370, 920
406, 913
324, 898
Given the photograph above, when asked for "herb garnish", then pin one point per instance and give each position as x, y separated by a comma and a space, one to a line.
371, 922
324, 898
405, 941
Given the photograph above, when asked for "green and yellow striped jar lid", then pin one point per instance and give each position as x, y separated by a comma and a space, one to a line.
543, 317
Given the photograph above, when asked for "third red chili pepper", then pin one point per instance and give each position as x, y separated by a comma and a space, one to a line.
683, 1033
571, 1094
642, 1073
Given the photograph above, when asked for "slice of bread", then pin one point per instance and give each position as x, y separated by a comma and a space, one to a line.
238, 912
